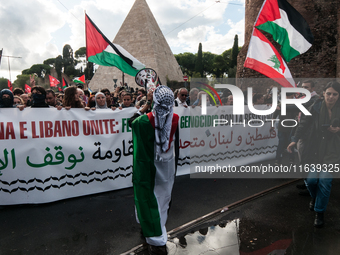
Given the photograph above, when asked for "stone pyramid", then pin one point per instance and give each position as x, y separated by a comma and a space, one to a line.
141, 36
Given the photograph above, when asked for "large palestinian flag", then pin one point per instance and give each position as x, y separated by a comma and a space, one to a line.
101, 51
264, 58
152, 179
287, 26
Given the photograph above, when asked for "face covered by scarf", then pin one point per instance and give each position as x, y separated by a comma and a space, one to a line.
6, 102
163, 99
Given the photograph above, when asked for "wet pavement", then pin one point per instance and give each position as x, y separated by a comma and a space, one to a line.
278, 222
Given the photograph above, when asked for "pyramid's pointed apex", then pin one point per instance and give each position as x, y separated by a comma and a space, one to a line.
141, 36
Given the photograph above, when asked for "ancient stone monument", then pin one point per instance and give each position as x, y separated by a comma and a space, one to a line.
141, 36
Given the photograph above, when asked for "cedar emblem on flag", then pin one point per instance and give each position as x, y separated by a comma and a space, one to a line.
9, 84
264, 58
101, 51
27, 89
287, 26
53, 81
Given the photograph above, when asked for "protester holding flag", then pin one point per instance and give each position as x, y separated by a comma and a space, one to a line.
155, 147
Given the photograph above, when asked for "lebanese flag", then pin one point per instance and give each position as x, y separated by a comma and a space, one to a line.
27, 89
53, 81
287, 26
9, 84
80, 80
101, 51
264, 58
65, 84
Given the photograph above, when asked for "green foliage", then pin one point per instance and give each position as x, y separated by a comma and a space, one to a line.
49, 61
40, 69
21, 80
234, 52
81, 52
186, 61
208, 63
199, 61
3, 83
232, 72
59, 65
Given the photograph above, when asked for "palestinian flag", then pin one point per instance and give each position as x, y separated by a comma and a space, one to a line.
65, 84
9, 85
101, 51
27, 89
53, 81
287, 26
80, 80
264, 58
152, 195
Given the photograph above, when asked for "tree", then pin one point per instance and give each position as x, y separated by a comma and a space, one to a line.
187, 62
21, 80
81, 54
68, 60
59, 66
199, 61
40, 69
50, 62
234, 52
208, 63
3, 83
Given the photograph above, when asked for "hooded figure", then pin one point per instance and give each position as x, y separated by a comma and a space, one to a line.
5, 101
155, 145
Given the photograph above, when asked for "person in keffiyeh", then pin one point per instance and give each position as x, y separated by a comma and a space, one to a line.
155, 150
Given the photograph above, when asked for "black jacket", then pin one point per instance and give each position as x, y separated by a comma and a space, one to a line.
311, 133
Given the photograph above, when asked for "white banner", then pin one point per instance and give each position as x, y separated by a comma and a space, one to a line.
48, 155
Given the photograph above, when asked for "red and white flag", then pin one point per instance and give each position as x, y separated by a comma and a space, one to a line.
264, 58
27, 89
53, 81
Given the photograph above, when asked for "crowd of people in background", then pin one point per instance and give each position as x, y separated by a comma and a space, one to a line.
322, 128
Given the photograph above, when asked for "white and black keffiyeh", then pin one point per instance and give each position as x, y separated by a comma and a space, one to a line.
163, 99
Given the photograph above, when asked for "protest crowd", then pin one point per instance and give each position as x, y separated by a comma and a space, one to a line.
317, 137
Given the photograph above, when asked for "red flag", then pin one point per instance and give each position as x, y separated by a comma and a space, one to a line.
53, 81
27, 89
9, 84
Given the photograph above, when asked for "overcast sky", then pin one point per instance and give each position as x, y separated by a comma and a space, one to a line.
36, 30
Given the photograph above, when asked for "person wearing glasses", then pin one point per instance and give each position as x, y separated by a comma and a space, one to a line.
181, 100
322, 147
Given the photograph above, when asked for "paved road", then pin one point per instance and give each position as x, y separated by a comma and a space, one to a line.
105, 223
